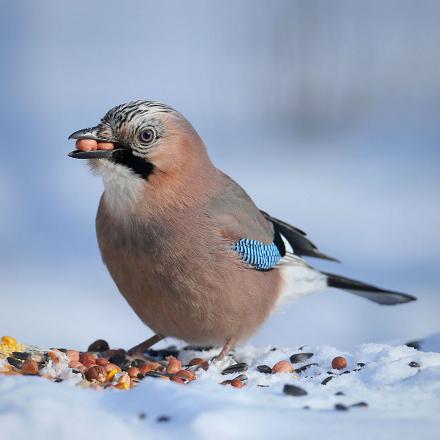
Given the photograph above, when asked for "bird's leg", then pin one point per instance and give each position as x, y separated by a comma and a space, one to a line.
225, 350
144, 346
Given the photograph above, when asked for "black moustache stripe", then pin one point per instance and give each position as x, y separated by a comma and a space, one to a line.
139, 166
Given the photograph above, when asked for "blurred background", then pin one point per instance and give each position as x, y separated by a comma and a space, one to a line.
325, 112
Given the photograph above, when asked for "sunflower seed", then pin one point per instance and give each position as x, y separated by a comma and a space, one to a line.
300, 357
305, 367
326, 380
293, 390
265, 369
236, 368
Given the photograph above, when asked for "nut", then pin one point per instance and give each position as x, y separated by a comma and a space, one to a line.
282, 367
96, 373
73, 355
55, 357
185, 374
87, 357
133, 372
109, 367
339, 363
101, 361
177, 380
75, 364
29, 367
124, 382
88, 363
199, 361
237, 383
99, 345
86, 144
174, 365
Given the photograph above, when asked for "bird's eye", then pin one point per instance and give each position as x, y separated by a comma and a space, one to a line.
147, 136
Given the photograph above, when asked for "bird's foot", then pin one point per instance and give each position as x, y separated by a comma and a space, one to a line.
144, 346
225, 350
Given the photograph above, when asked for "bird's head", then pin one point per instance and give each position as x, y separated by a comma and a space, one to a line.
143, 137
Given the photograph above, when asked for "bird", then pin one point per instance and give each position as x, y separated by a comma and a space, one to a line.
186, 246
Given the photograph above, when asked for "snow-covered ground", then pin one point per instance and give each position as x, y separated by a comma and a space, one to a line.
403, 401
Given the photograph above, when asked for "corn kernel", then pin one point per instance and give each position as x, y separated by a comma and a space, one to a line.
112, 374
9, 340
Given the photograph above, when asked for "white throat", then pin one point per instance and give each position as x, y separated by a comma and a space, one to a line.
123, 188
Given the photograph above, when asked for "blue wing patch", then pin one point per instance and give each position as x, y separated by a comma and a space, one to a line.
260, 255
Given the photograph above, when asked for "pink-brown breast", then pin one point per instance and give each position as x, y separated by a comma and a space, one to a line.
181, 276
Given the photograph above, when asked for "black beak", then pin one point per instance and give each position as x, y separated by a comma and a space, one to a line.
91, 133
96, 154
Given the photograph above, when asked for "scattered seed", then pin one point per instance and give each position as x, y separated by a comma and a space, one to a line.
273, 349
101, 361
29, 367
300, 357
305, 367
236, 368
326, 380
137, 363
133, 372
306, 407
21, 355
414, 364
97, 373
197, 348
119, 360
265, 369
414, 344
293, 390
99, 345
142, 416
262, 386
14, 362
197, 363
359, 405
241, 377
340, 407
360, 364
339, 393
282, 367
187, 375
237, 383
174, 365
177, 380
164, 353
339, 363
163, 419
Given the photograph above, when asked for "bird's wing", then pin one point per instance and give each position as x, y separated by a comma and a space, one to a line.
297, 239
239, 218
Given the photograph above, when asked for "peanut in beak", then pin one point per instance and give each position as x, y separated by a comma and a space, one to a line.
92, 145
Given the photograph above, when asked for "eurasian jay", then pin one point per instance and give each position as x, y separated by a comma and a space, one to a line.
184, 243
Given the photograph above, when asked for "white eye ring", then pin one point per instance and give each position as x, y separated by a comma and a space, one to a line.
147, 136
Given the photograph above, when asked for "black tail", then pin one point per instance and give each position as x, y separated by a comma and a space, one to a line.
373, 293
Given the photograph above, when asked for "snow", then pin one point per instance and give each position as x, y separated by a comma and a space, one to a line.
403, 401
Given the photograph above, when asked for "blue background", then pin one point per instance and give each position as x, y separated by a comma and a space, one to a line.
325, 112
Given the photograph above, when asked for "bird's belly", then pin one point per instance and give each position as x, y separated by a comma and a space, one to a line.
186, 283
206, 306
